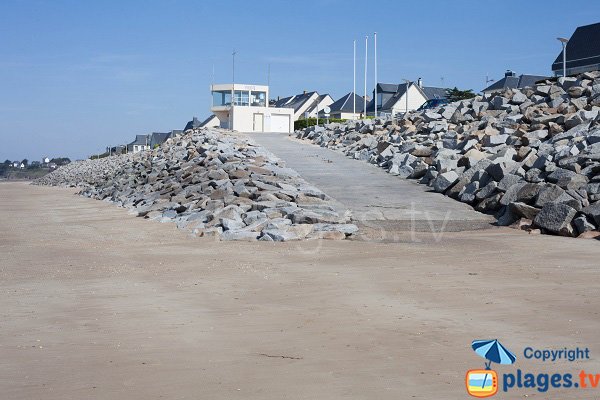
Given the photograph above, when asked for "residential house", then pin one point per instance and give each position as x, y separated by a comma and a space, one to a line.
120, 149
141, 142
307, 103
325, 100
158, 138
244, 108
397, 98
512, 81
211, 122
349, 106
45, 160
16, 164
583, 51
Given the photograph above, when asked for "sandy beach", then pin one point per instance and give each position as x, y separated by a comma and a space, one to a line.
98, 304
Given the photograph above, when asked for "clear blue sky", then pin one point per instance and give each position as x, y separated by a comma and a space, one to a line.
76, 76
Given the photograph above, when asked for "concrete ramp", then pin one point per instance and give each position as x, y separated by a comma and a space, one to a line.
375, 197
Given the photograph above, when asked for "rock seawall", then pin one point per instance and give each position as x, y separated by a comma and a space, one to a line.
211, 183
530, 157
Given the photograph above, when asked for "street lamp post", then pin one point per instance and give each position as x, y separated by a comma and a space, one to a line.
375, 95
564, 46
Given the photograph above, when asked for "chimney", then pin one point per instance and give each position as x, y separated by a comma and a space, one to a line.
509, 73
420, 82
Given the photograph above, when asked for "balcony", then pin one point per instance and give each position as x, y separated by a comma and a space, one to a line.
243, 98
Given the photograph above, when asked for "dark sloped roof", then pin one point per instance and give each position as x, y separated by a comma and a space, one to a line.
207, 120
140, 140
387, 87
390, 93
295, 102
158, 138
514, 82
193, 124
314, 104
434, 92
583, 48
345, 104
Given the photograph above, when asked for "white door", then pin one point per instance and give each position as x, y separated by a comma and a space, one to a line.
280, 123
258, 123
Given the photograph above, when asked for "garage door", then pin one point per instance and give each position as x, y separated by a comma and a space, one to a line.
280, 123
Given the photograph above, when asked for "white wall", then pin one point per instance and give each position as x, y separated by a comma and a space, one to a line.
213, 123
345, 115
300, 113
243, 117
326, 101
415, 100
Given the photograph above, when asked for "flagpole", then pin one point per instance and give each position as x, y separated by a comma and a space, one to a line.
354, 85
366, 56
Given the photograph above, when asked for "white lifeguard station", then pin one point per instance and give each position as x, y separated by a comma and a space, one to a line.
245, 108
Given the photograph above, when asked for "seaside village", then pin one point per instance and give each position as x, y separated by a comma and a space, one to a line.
523, 153
246, 107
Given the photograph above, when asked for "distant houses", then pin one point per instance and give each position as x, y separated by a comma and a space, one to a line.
399, 98
151, 141
583, 51
140, 143
512, 81
305, 104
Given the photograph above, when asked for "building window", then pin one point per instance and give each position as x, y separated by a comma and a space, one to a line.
241, 98
258, 99
221, 98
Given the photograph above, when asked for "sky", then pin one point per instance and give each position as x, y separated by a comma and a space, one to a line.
77, 76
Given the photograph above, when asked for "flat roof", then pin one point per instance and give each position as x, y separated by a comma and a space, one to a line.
238, 86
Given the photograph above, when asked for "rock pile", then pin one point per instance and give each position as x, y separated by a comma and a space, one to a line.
211, 183
85, 172
531, 157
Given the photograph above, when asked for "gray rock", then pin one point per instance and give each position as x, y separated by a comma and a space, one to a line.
507, 181
511, 193
494, 140
519, 98
499, 170
443, 181
279, 235
528, 193
523, 210
548, 194
239, 235
593, 212
556, 218
583, 225
487, 191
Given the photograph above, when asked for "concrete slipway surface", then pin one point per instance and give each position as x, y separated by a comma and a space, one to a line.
98, 304
376, 198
